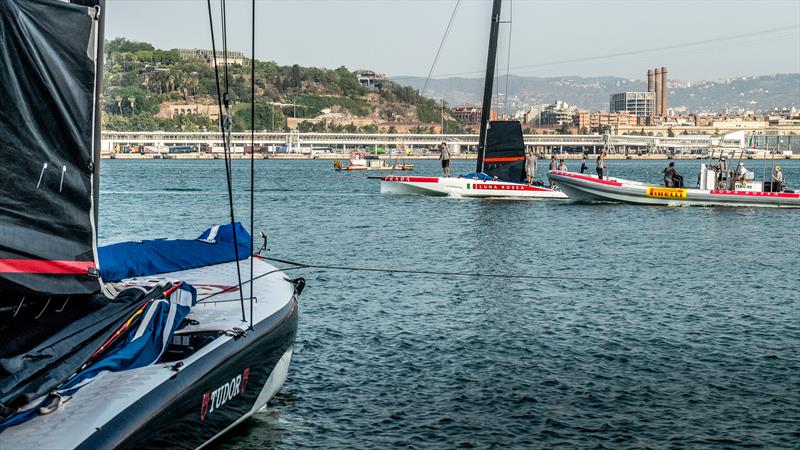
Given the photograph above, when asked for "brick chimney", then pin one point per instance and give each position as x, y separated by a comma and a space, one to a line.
664, 91
657, 90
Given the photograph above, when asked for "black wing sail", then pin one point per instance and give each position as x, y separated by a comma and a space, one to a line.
48, 145
505, 151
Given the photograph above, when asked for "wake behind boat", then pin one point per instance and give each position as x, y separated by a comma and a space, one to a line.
716, 187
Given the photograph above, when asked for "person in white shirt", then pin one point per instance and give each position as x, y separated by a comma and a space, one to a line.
741, 170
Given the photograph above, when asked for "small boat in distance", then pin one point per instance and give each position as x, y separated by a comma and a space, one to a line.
361, 160
717, 186
500, 168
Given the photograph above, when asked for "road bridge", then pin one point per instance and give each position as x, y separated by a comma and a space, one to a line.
296, 142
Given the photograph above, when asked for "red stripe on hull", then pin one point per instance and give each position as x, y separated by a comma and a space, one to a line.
45, 266
411, 179
506, 187
585, 178
755, 194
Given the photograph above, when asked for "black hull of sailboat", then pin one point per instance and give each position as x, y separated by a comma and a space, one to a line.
178, 414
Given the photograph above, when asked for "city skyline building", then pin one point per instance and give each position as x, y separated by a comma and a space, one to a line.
640, 104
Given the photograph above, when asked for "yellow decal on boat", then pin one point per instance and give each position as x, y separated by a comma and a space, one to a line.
666, 192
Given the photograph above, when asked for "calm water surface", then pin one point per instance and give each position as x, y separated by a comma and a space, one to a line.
694, 341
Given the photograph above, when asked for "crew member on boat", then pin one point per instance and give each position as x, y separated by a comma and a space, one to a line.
741, 171
530, 165
721, 167
583, 164
671, 176
444, 156
601, 164
777, 179
553, 166
562, 166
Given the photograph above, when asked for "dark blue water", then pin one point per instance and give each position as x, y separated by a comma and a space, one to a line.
693, 342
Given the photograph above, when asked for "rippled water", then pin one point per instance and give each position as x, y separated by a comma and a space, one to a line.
693, 342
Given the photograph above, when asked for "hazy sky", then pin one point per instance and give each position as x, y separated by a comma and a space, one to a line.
696, 39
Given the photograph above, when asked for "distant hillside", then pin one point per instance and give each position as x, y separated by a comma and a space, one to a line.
757, 93
145, 86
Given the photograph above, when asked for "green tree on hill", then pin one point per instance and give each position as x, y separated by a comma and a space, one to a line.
263, 119
122, 45
139, 78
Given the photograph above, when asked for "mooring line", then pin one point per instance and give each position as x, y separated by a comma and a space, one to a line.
434, 272
299, 265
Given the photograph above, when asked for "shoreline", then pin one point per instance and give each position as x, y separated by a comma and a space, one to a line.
472, 156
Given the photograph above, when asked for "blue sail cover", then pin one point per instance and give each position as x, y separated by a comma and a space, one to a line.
477, 176
147, 343
143, 258
143, 345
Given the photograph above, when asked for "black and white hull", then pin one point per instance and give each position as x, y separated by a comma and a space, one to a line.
216, 373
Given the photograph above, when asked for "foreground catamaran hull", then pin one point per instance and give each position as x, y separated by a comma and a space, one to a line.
153, 423
464, 187
188, 402
588, 188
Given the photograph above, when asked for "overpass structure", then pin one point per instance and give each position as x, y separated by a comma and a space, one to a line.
295, 142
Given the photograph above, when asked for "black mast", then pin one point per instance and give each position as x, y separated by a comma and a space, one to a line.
488, 82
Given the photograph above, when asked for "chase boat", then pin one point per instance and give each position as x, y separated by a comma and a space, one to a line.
715, 188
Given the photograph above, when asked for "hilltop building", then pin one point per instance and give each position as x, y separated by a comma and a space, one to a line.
471, 113
234, 58
370, 79
171, 110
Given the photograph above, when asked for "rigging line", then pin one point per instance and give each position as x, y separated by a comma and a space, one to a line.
640, 51
225, 43
508, 56
231, 288
434, 272
252, 145
224, 122
441, 44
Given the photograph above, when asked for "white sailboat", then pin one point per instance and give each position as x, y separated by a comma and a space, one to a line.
500, 168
